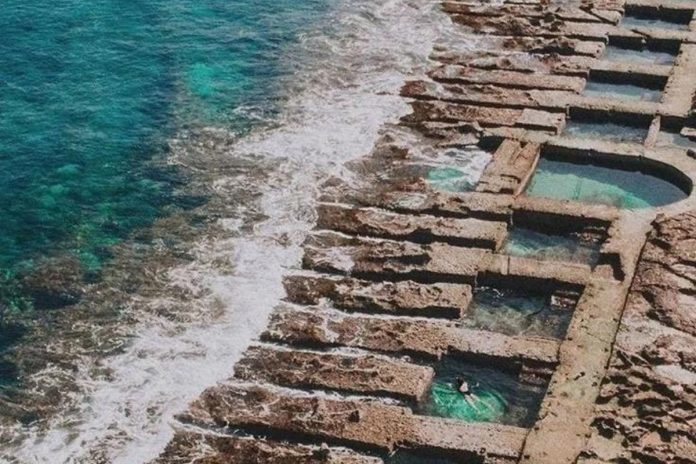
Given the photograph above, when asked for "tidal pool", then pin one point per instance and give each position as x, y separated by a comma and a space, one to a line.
641, 21
528, 243
517, 312
605, 130
631, 92
638, 55
670, 139
591, 183
496, 395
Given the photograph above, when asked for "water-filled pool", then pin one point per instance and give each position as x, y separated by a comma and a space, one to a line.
529, 243
605, 130
517, 312
671, 139
638, 55
640, 21
632, 92
590, 183
496, 395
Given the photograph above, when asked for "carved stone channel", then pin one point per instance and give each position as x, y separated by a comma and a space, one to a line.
586, 112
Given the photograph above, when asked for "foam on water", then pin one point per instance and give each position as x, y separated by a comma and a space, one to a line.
337, 101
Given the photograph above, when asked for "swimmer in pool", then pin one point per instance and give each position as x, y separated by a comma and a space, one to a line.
464, 388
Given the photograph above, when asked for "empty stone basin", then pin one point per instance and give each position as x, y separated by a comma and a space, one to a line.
591, 183
596, 89
630, 21
496, 395
640, 55
671, 139
529, 243
605, 130
519, 312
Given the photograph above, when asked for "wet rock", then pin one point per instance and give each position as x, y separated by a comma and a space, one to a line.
370, 375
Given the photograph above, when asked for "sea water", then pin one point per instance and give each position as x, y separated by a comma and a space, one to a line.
170, 153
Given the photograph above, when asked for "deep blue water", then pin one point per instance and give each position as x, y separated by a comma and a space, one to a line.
90, 94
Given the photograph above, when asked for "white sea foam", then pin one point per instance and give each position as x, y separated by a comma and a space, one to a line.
344, 93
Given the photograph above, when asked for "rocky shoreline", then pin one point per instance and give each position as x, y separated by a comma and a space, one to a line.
393, 273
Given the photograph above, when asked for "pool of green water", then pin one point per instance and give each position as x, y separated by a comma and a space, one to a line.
590, 183
454, 169
631, 92
637, 55
529, 243
605, 130
496, 395
517, 312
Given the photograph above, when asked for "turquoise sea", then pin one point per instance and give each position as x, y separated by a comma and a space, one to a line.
91, 93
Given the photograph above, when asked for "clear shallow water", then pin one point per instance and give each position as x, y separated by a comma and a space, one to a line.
605, 130
92, 94
529, 243
646, 56
621, 91
498, 396
597, 184
188, 308
517, 312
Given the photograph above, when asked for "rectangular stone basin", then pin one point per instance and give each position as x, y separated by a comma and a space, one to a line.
573, 247
454, 169
599, 89
606, 130
638, 55
672, 139
632, 21
517, 311
496, 395
592, 183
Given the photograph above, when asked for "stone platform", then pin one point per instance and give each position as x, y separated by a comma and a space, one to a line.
390, 273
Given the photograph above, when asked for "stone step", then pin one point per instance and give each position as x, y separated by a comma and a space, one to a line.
391, 260
525, 118
565, 12
362, 424
489, 95
207, 448
527, 62
313, 326
397, 298
522, 80
422, 229
367, 374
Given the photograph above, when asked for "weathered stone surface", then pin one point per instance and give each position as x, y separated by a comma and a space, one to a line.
387, 259
512, 165
488, 95
364, 424
647, 405
199, 448
370, 375
431, 338
468, 75
421, 228
397, 298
